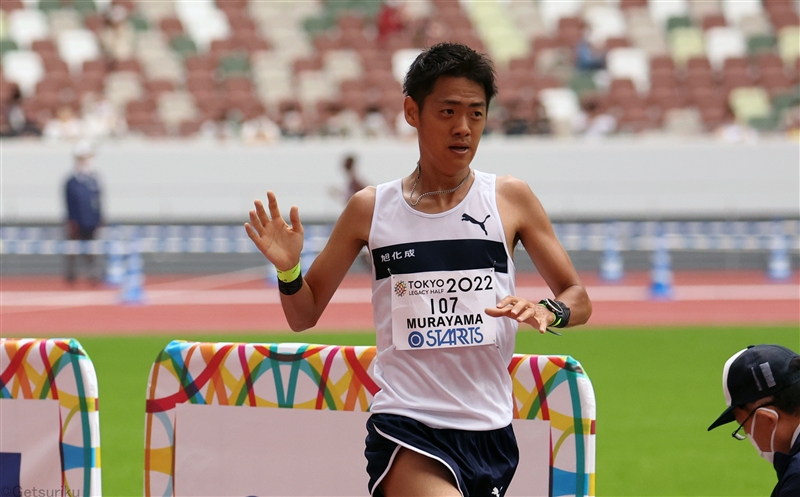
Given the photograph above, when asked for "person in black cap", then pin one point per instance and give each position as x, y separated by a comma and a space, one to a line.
762, 389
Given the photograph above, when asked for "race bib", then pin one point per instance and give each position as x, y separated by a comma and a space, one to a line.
443, 309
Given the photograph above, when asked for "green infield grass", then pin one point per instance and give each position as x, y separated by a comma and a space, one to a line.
657, 390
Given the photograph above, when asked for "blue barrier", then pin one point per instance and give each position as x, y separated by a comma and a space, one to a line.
133, 284
611, 267
661, 273
226, 239
780, 238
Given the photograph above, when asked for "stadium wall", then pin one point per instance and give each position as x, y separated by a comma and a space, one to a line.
208, 181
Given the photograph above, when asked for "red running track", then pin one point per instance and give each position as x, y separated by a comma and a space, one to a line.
47, 307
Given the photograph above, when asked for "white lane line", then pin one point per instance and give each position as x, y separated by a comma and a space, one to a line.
152, 296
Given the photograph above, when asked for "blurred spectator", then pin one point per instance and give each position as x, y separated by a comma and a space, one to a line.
791, 122
224, 125
496, 116
354, 184
389, 19
736, 133
292, 125
100, 120
589, 57
375, 125
118, 37
540, 124
341, 122
64, 126
84, 214
14, 117
516, 122
594, 121
260, 129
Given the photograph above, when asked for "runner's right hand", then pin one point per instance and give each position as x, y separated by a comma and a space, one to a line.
278, 241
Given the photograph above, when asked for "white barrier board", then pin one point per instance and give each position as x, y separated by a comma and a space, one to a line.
32, 428
301, 452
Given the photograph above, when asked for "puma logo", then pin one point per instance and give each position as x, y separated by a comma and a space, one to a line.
496, 491
482, 224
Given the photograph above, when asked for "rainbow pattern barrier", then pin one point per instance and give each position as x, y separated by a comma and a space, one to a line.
58, 369
325, 377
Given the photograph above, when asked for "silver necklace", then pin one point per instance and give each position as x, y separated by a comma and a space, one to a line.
440, 192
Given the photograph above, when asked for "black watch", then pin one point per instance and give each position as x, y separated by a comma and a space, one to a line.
559, 309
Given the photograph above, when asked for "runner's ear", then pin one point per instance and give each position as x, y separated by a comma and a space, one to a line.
411, 111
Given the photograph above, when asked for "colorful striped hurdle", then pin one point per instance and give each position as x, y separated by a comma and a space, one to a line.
197, 436
48, 400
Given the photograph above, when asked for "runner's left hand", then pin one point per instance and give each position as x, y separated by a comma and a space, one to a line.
524, 311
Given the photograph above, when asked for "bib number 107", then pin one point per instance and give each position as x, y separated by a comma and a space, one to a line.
444, 305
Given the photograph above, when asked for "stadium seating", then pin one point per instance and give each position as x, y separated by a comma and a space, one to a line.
320, 53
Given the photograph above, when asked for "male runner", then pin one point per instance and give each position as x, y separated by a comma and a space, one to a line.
444, 301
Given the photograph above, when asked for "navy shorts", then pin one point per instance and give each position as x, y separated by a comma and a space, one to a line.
482, 462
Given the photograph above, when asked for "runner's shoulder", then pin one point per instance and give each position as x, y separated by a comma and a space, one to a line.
362, 203
513, 188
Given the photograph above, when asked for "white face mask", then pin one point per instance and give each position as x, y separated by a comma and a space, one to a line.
769, 456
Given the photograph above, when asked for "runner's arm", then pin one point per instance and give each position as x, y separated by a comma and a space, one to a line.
528, 220
349, 235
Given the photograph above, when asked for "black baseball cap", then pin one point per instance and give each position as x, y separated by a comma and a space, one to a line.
754, 373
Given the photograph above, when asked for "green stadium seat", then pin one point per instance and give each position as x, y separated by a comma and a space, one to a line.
749, 103
85, 7
757, 44
184, 45
768, 123
784, 101
582, 82
139, 22
7, 45
236, 64
316, 25
679, 22
48, 5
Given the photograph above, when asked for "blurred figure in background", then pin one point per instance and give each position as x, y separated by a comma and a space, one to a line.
84, 214
375, 125
118, 37
100, 120
341, 122
16, 123
64, 126
353, 183
540, 124
595, 121
291, 123
260, 129
389, 19
589, 57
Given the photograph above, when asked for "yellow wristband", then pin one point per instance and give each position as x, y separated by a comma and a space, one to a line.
290, 275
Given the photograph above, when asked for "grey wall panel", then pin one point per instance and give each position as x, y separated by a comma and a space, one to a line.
208, 182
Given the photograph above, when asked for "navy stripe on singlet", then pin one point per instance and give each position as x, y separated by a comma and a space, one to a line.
439, 255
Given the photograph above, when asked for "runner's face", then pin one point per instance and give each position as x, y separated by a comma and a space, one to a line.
450, 124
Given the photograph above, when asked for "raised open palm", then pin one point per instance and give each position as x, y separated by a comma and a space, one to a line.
281, 243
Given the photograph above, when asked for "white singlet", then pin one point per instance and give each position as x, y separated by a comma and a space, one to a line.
441, 360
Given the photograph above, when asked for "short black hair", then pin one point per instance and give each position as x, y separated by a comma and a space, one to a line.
788, 399
448, 59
